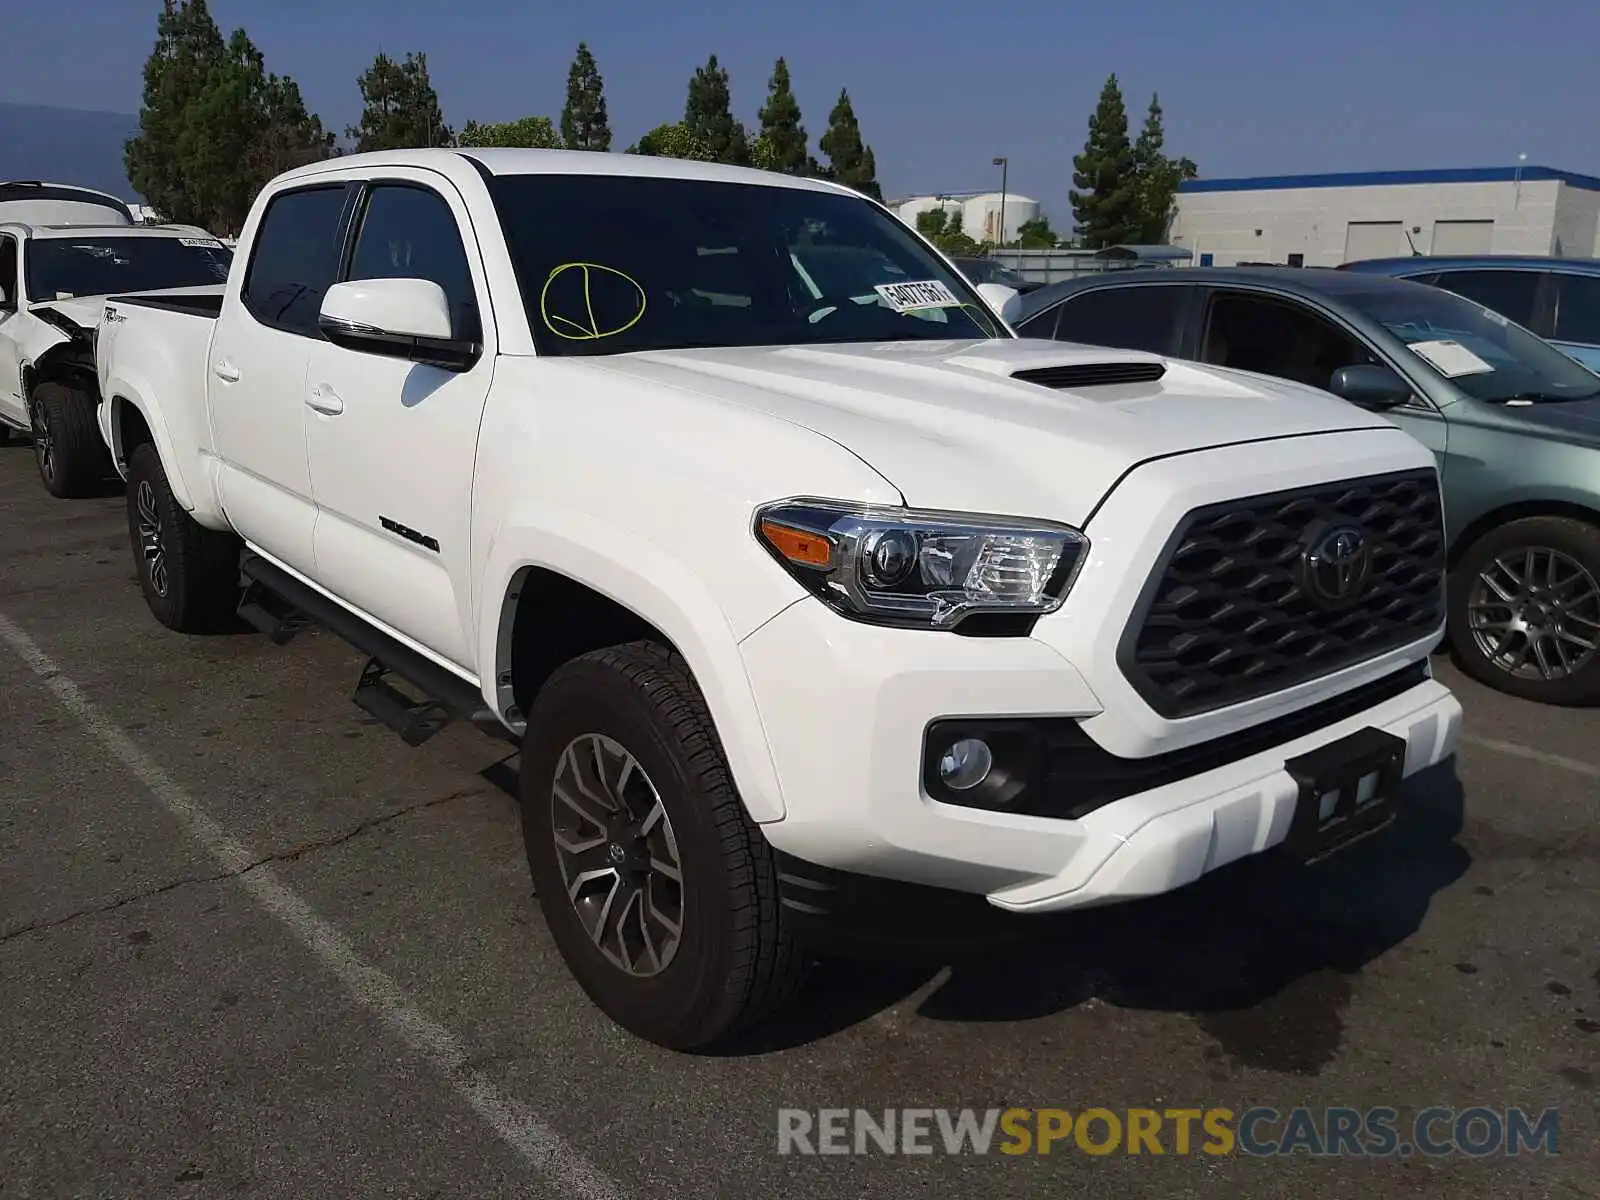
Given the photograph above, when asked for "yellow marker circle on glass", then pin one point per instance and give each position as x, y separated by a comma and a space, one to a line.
578, 323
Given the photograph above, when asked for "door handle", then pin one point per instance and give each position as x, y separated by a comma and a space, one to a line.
324, 400
224, 370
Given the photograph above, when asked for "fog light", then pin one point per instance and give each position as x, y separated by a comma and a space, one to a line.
965, 764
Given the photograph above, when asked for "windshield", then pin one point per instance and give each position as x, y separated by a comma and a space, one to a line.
610, 264
1476, 349
61, 268
984, 270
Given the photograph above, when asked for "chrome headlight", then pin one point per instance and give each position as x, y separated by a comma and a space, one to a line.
906, 567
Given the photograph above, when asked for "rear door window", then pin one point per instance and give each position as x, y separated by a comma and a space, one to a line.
1513, 294
295, 258
1137, 317
1578, 309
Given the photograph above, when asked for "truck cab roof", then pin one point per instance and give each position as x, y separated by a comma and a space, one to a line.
36, 232
36, 200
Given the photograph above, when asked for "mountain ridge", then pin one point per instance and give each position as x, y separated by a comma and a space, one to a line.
66, 145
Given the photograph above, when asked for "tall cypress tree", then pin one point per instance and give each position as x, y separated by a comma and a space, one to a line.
583, 120
783, 136
850, 160
708, 115
1158, 176
1105, 199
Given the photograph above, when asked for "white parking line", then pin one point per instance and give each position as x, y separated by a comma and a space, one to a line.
536, 1142
1515, 750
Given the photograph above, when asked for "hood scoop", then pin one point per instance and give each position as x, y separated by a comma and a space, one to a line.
1092, 374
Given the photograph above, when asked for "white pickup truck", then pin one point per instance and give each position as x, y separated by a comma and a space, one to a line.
54, 276
802, 600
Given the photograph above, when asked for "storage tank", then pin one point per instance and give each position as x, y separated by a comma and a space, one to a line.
980, 216
911, 209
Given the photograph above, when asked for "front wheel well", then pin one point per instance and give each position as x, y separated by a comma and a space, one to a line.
550, 619
1464, 541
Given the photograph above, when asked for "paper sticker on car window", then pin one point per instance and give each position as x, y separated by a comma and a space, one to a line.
925, 293
1450, 359
208, 243
1490, 314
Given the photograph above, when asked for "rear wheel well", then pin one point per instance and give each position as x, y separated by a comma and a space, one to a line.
129, 428
555, 619
1464, 540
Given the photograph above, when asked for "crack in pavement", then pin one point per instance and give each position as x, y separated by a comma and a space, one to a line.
288, 855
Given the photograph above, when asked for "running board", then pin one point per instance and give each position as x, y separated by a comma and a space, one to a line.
281, 606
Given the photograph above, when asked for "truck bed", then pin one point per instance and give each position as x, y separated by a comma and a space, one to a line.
195, 306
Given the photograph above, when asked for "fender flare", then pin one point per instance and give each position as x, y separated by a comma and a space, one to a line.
657, 587
119, 391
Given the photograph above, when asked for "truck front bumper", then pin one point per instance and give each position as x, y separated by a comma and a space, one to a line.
847, 709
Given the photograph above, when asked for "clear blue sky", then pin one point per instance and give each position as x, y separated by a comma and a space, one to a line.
1249, 86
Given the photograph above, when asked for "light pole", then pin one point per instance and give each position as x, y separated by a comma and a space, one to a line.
1516, 187
1000, 237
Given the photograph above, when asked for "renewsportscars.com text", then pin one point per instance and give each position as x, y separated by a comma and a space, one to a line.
1324, 1133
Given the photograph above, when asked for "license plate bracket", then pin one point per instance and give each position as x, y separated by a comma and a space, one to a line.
1347, 792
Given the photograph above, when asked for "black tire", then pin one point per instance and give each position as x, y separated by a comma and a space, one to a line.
735, 961
1573, 608
195, 587
67, 447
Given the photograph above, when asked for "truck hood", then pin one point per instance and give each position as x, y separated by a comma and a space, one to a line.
946, 424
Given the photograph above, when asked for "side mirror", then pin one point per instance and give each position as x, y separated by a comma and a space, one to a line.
1370, 386
1002, 299
398, 318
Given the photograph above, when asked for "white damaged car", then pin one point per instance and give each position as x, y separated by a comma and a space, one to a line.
54, 282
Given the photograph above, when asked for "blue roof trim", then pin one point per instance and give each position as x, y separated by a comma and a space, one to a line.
1278, 183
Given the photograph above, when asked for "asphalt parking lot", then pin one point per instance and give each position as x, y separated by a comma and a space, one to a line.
252, 945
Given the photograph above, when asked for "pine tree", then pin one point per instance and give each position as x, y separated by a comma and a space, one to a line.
188, 45
1158, 177
215, 125
782, 134
850, 160
400, 108
1105, 199
708, 115
583, 121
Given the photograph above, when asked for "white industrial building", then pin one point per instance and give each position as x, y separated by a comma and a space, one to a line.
1325, 220
980, 214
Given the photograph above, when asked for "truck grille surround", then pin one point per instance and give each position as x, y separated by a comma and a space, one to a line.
1256, 595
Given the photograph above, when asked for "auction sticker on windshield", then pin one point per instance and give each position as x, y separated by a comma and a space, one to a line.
208, 243
925, 293
1450, 359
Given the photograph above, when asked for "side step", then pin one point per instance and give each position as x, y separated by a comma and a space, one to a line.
281, 606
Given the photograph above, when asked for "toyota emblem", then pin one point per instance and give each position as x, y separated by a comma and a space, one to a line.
1335, 564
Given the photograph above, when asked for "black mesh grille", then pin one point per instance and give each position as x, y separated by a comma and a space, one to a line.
1231, 615
1085, 375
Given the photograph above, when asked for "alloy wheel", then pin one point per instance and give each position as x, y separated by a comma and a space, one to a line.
44, 446
151, 542
1534, 612
618, 855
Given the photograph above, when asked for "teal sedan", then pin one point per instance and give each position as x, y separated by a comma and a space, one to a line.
1514, 423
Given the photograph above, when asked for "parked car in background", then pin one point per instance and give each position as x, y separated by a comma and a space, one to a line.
1514, 423
35, 202
987, 270
1556, 298
53, 283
